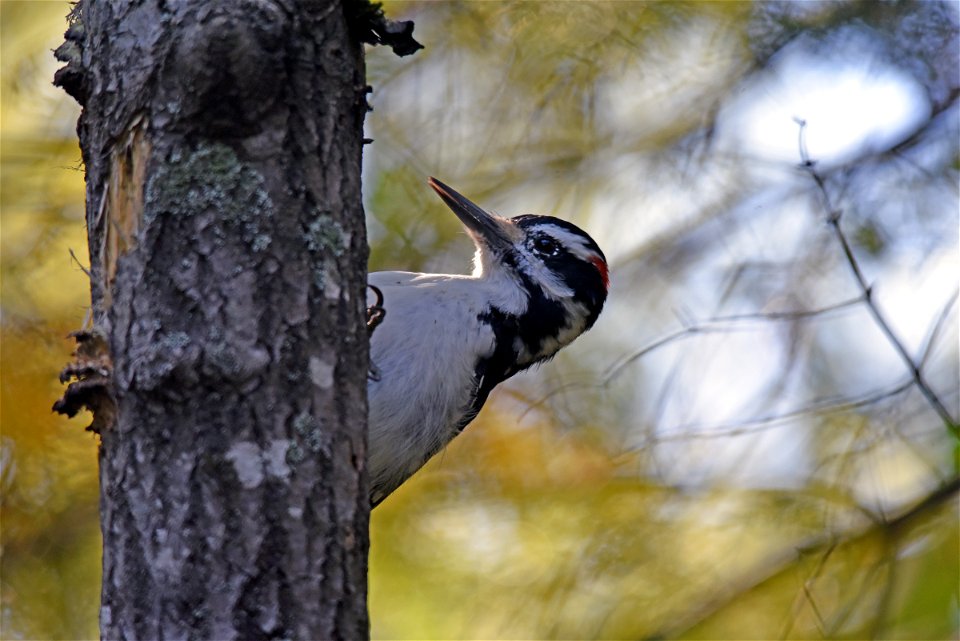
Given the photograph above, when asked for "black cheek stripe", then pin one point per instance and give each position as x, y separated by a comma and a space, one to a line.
496, 368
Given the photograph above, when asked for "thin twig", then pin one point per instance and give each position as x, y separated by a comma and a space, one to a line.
833, 219
663, 341
937, 327
785, 559
79, 264
882, 610
808, 584
714, 325
762, 423
721, 324
787, 316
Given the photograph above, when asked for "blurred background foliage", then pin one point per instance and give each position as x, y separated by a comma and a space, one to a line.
49, 528
734, 451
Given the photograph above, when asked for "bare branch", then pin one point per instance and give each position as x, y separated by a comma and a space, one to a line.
784, 560
833, 219
723, 324
937, 327
807, 594
714, 325
762, 423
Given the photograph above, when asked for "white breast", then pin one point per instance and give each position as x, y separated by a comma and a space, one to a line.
425, 352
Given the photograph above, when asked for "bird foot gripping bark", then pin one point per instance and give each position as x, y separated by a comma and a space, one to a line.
375, 314
91, 368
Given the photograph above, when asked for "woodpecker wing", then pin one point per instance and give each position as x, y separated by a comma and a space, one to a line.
426, 352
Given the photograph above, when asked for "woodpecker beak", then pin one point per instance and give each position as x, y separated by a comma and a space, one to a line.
492, 230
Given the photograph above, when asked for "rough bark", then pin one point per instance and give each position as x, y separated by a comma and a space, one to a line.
222, 145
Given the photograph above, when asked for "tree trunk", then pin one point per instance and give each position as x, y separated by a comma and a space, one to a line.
227, 359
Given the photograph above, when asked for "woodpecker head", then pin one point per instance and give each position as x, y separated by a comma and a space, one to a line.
559, 273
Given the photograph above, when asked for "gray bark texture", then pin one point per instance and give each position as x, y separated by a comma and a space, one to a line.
227, 356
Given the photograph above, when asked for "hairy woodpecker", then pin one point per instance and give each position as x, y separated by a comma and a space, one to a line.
447, 340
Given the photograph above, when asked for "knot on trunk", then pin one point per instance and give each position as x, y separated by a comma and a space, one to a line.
228, 67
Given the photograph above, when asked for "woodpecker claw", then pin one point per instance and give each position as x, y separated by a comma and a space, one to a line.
375, 314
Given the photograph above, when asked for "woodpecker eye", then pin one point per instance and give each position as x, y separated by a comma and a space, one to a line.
545, 246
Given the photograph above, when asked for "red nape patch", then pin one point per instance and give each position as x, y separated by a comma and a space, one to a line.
602, 268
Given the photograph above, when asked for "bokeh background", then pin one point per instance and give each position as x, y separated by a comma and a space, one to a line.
736, 450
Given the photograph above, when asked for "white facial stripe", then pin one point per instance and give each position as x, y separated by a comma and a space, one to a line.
573, 243
551, 284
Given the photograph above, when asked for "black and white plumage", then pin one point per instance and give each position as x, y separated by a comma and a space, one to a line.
447, 340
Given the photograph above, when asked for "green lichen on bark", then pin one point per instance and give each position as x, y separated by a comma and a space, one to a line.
212, 178
325, 240
325, 236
